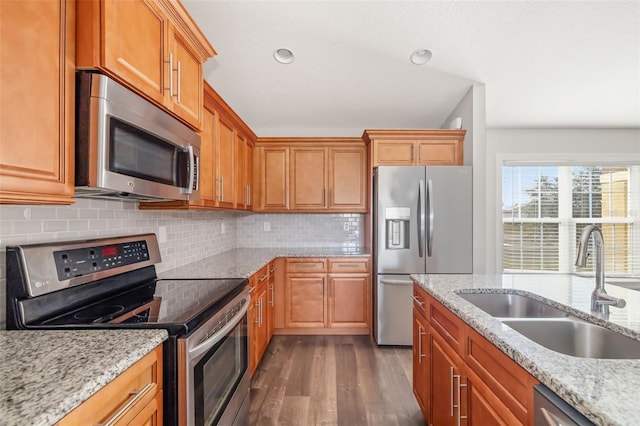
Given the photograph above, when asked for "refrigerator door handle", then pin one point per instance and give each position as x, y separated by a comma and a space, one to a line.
388, 281
421, 218
430, 207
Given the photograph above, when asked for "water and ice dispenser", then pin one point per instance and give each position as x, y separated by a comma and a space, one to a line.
397, 221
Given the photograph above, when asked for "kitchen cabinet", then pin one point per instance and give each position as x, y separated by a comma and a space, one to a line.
312, 175
151, 46
421, 363
226, 160
308, 178
327, 296
477, 383
271, 170
37, 162
244, 175
261, 313
415, 147
133, 398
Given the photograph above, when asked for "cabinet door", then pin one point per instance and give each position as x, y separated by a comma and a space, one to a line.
252, 317
348, 300
445, 376
393, 153
225, 146
261, 334
135, 45
484, 408
186, 100
305, 304
347, 179
271, 303
308, 178
248, 174
439, 152
421, 363
274, 188
36, 164
207, 162
239, 178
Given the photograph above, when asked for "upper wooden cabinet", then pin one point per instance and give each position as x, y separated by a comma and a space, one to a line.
226, 160
37, 80
152, 46
311, 175
415, 147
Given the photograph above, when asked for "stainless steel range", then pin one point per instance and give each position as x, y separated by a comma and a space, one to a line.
112, 283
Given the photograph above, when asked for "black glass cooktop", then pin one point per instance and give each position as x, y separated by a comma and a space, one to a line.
176, 305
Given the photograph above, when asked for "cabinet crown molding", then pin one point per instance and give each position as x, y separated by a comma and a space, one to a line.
181, 19
320, 142
412, 134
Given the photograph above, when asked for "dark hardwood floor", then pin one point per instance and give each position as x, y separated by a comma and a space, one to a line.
333, 380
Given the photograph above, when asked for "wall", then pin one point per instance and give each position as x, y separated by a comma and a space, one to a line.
301, 230
191, 235
472, 110
553, 145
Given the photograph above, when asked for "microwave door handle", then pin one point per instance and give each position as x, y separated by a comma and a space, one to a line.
204, 347
194, 175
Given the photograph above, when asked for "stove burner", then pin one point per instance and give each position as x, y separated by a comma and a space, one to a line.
96, 313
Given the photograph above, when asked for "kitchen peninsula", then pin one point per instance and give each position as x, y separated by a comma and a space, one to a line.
604, 390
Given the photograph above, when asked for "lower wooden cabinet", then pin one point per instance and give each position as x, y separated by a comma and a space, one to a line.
421, 358
133, 398
459, 377
261, 313
327, 296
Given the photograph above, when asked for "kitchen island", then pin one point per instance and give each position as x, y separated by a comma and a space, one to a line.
604, 390
48, 373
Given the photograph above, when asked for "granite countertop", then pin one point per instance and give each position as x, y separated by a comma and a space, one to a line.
244, 262
604, 390
47, 373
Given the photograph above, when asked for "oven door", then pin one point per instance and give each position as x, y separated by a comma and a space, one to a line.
213, 373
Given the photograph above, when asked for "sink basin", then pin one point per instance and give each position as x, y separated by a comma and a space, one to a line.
505, 305
630, 284
577, 338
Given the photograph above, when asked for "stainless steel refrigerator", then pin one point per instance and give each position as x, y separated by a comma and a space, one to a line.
422, 223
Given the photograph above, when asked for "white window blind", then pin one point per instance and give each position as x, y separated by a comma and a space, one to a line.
545, 209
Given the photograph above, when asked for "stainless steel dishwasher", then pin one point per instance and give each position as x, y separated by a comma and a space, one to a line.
551, 410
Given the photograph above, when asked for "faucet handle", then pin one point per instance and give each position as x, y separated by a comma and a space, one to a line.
605, 299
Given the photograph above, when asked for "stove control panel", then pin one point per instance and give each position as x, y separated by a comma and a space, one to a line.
89, 260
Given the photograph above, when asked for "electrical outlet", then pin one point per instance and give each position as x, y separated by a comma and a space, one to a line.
223, 228
162, 234
266, 226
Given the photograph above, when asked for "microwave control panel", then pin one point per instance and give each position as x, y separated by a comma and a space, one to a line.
88, 260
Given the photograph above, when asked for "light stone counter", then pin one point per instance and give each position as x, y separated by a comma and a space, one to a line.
606, 391
244, 262
45, 374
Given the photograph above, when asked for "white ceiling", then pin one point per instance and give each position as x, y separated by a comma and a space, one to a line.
544, 63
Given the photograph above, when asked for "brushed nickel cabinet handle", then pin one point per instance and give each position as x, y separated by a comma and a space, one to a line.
264, 277
459, 405
170, 88
272, 295
415, 299
179, 82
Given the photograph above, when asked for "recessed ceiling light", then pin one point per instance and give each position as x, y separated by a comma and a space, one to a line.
420, 56
283, 55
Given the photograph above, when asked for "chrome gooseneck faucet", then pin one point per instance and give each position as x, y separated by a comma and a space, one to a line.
600, 300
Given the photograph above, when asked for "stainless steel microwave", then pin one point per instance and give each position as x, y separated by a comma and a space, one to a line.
129, 149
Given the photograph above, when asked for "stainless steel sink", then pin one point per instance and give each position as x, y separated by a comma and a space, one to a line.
577, 338
631, 284
506, 305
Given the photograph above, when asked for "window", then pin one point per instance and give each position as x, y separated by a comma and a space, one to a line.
545, 209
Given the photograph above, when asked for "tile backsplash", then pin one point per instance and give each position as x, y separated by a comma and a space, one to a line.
190, 235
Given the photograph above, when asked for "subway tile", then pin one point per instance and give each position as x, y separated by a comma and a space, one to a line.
55, 225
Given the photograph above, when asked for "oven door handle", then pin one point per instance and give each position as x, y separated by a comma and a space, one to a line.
203, 347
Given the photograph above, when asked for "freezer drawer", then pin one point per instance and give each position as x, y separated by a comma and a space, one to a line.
393, 319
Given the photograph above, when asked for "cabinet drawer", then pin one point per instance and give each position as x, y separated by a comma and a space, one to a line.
125, 397
348, 266
507, 380
420, 301
304, 265
449, 326
261, 276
